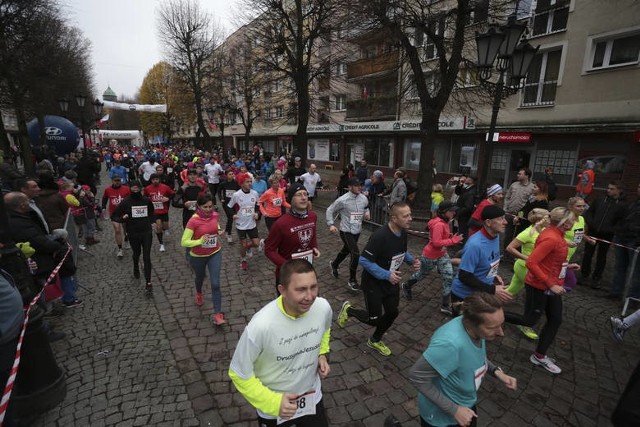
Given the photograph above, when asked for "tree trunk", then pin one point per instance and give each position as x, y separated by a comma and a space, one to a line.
5, 145
304, 108
25, 144
428, 137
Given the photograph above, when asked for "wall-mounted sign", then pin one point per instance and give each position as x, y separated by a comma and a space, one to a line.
511, 137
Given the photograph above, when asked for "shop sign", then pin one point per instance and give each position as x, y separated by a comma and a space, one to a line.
511, 137
457, 123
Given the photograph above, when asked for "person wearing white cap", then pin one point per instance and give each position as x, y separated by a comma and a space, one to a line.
495, 195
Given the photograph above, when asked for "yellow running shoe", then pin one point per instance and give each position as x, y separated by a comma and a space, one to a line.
380, 346
528, 332
343, 315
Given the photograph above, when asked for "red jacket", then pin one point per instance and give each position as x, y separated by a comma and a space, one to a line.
440, 238
288, 236
547, 264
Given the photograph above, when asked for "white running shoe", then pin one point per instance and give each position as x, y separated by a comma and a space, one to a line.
119, 254
547, 363
229, 238
249, 253
261, 245
162, 249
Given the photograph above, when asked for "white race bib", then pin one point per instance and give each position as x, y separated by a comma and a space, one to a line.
158, 205
229, 193
308, 255
210, 242
563, 270
493, 271
247, 211
139, 212
356, 217
578, 236
169, 170
277, 201
305, 404
396, 262
478, 374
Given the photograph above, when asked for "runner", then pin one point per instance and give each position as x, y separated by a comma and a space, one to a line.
381, 259
294, 234
434, 255
160, 195
227, 190
311, 180
620, 325
114, 195
281, 357
353, 207
190, 190
451, 369
273, 202
136, 211
247, 212
146, 169
201, 235
213, 170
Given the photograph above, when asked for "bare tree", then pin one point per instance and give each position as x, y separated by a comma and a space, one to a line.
189, 37
290, 32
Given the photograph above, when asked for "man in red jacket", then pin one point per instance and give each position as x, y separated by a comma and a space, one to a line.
114, 195
160, 195
293, 235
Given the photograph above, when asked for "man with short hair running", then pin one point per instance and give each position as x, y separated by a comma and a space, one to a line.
247, 212
160, 195
213, 170
114, 195
282, 355
381, 259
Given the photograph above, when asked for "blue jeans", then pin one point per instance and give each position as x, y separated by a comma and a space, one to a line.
68, 285
213, 263
443, 264
623, 263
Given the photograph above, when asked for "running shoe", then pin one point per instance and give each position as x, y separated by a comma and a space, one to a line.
199, 298
334, 270
229, 238
617, 328
446, 309
127, 245
343, 316
380, 346
162, 249
261, 245
546, 362
528, 332
406, 291
353, 285
136, 272
71, 304
148, 289
244, 265
249, 252
82, 247
218, 319
120, 254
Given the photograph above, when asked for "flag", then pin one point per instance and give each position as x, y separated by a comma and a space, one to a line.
103, 120
212, 125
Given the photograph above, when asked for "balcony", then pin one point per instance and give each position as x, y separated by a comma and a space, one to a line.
380, 65
375, 108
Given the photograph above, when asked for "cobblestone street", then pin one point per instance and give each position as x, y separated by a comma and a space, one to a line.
137, 361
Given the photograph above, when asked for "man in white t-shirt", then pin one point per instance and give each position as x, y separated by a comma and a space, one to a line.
146, 169
245, 203
310, 180
282, 354
213, 170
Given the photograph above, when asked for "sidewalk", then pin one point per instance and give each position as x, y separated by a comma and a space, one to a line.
133, 361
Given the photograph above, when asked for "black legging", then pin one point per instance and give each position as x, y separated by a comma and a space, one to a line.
269, 220
376, 299
141, 243
229, 212
536, 302
601, 257
350, 246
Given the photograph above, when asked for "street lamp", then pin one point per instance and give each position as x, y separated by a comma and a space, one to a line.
63, 103
97, 109
80, 100
514, 57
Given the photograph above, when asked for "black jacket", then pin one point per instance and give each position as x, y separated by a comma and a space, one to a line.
140, 214
466, 202
603, 215
629, 227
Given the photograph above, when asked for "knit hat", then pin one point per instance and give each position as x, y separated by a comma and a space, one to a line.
378, 173
494, 189
491, 212
295, 187
589, 164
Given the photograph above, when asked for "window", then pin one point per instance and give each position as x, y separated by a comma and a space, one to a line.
369, 52
340, 102
267, 113
541, 82
377, 151
341, 68
615, 52
433, 82
480, 11
277, 85
467, 77
435, 28
279, 111
550, 16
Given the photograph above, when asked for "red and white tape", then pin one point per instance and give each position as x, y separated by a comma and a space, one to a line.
4, 403
614, 243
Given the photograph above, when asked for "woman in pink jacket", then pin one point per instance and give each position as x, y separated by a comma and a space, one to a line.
435, 254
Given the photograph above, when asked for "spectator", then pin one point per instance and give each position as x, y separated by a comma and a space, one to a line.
467, 193
517, 196
627, 234
551, 183
398, 189
362, 173
495, 195
539, 199
437, 197
586, 180
602, 217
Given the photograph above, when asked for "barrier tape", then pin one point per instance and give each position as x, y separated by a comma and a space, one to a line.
613, 243
4, 402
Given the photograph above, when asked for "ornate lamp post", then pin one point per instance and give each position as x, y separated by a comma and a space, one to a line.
514, 57
80, 100
97, 109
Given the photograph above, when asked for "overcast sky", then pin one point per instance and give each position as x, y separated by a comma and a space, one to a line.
124, 37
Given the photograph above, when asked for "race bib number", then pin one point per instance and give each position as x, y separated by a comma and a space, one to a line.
229, 193
308, 255
578, 236
169, 170
563, 270
248, 211
478, 375
158, 205
396, 262
493, 271
277, 201
356, 217
305, 404
139, 212
210, 242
